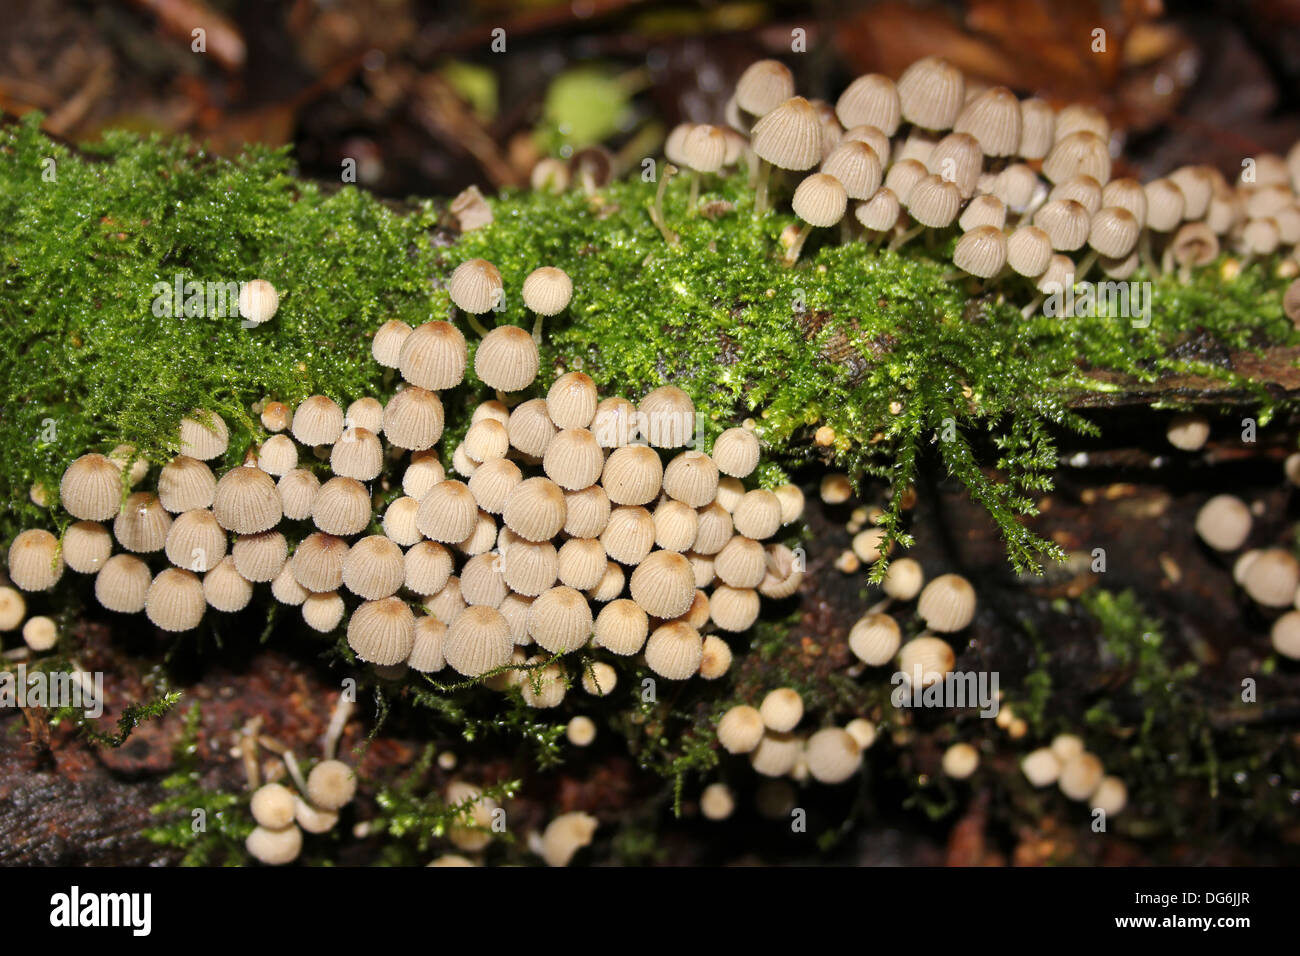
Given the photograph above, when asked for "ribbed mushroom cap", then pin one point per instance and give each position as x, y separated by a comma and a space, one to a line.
475, 286
675, 142
692, 478
1120, 268
535, 509
298, 490
733, 609
947, 603
1197, 186
428, 565
122, 584
833, 755
286, 589
91, 488
781, 709
903, 580
487, 440
246, 501
357, 454
621, 627
735, 453
142, 524
331, 785
875, 639
960, 761
1259, 237
674, 650
987, 210
581, 563
35, 561
276, 416
506, 359
531, 429
448, 603
482, 581
382, 631
1037, 128
86, 546
566, 835
704, 149
413, 419
1079, 117
663, 584
278, 455
676, 525
543, 686
183, 484
514, 608
880, 212
195, 541
1165, 204
666, 417
610, 586
1080, 776
740, 729
317, 562
792, 503
574, 460
1271, 578
1224, 522
492, 483
957, 159
1066, 223
1015, 186
1114, 232
225, 589
1041, 767
571, 401
1188, 432
981, 252
560, 620
1285, 635
424, 471
426, 655
586, 512
714, 531
258, 301
784, 574
1110, 796
632, 475
1081, 152
615, 423
716, 657
386, 346
448, 512
322, 612
929, 657
1127, 194
628, 535
374, 568
1059, 275
764, 86
934, 201
820, 200
931, 92
272, 806
1029, 251
203, 435
400, 521
478, 641
318, 421
274, 847
530, 567
1194, 244
741, 563
433, 356
342, 507
758, 515
994, 119
789, 136
175, 600
1083, 189
1224, 211
870, 100
493, 409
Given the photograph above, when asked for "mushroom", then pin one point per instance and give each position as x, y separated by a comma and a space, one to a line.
819, 200
740, 729
547, 291
788, 137
91, 488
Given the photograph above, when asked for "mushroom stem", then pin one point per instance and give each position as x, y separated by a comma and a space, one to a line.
1145, 254
475, 324
1028, 311
903, 238
338, 719
657, 211
846, 230
1086, 266
792, 255
248, 752
695, 192
537, 329
760, 194
291, 762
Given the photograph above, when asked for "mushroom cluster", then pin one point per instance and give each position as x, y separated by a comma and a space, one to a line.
1078, 773
573, 519
1026, 186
